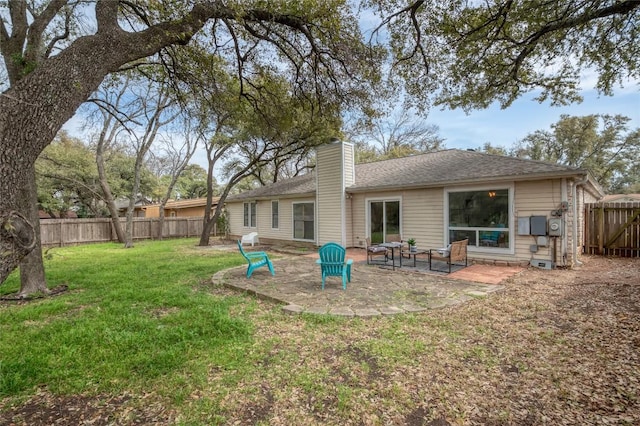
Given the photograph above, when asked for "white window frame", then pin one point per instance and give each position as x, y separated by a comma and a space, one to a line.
367, 209
293, 221
249, 215
510, 227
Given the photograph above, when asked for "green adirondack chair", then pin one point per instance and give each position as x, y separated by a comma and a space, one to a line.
333, 264
256, 259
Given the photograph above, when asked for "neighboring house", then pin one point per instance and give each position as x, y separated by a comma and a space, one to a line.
122, 204
502, 204
621, 198
193, 207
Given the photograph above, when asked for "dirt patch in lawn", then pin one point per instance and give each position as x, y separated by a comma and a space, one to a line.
556, 347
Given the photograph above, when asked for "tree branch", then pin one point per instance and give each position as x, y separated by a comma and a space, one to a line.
33, 52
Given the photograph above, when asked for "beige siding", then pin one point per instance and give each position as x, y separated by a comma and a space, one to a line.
349, 165
235, 216
349, 214
423, 218
421, 210
330, 194
284, 232
536, 198
582, 197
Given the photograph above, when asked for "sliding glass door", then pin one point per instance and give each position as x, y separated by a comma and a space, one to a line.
384, 219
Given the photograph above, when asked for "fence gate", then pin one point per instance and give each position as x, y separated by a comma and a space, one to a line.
612, 229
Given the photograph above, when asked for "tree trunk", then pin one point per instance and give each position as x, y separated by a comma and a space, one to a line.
160, 234
32, 278
108, 196
128, 229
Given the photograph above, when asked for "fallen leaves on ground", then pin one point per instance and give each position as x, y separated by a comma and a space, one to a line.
556, 347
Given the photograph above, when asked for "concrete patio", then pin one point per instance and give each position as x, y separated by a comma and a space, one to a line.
374, 289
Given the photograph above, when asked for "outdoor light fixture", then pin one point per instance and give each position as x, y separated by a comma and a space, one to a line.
492, 194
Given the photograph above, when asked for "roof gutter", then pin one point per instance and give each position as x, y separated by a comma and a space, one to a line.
237, 199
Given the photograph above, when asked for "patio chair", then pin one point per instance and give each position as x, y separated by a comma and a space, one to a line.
251, 237
332, 263
455, 252
374, 250
256, 259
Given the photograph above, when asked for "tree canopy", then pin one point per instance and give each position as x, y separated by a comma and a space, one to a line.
469, 54
602, 144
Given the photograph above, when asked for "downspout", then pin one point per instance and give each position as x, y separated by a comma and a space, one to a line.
574, 195
343, 196
565, 237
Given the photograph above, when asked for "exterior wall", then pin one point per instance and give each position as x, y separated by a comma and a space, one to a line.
152, 211
349, 235
235, 218
424, 218
537, 198
582, 197
421, 213
284, 232
185, 212
334, 167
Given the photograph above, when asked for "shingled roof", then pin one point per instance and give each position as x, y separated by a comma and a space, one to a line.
432, 169
292, 187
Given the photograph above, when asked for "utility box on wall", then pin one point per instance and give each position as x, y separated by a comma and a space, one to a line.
538, 225
524, 225
555, 227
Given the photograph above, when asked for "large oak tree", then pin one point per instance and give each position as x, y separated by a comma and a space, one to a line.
51, 74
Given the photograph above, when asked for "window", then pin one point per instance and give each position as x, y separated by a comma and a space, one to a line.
303, 221
274, 215
250, 215
482, 216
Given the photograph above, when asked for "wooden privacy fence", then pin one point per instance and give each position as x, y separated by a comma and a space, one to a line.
60, 232
612, 229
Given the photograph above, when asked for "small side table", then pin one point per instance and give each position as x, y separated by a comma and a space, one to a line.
393, 246
415, 253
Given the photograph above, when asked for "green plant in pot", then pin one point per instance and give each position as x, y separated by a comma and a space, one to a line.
412, 244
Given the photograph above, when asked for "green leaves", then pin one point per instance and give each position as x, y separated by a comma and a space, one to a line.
469, 54
601, 144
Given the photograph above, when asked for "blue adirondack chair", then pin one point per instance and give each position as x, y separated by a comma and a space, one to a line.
256, 259
332, 263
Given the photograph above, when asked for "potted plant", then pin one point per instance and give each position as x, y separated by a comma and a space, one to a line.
412, 244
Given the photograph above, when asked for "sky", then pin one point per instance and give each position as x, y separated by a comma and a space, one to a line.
524, 116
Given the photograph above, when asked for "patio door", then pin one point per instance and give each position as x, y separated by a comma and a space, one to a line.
384, 219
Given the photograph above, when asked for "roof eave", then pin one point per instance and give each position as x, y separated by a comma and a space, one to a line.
475, 181
272, 197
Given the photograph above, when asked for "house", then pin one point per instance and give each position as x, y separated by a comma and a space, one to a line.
513, 211
122, 204
193, 207
621, 198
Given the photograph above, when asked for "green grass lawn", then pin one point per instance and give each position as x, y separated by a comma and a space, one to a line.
132, 319
142, 336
